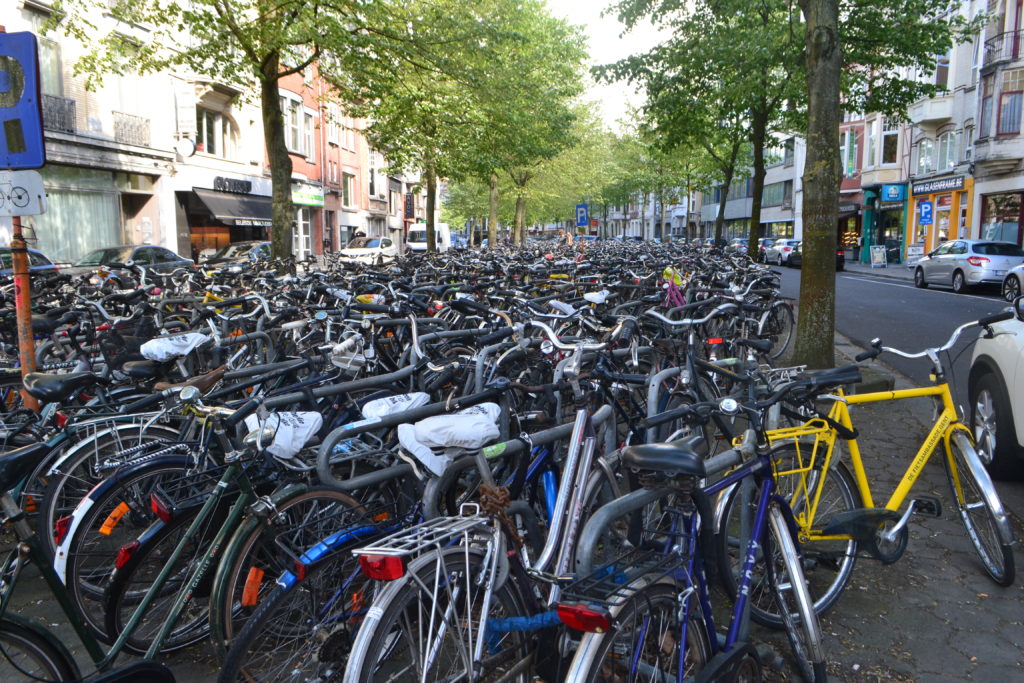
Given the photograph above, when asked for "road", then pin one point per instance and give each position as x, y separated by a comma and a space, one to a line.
906, 318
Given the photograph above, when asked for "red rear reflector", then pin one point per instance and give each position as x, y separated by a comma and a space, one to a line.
60, 418
586, 619
715, 340
125, 553
60, 529
300, 571
977, 260
159, 508
382, 567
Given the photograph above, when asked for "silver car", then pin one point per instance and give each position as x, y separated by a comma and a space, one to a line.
963, 264
779, 251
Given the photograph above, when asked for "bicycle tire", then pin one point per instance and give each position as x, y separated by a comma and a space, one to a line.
257, 552
778, 325
89, 555
613, 656
27, 654
76, 475
786, 579
980, 510
401, 612
828, 564
302, 628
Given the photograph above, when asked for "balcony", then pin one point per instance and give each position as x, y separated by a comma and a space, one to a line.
58, 114
1003, 47
931, 111
998, 155
131, 130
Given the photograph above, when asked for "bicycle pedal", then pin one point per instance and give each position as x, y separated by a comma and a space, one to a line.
928, 506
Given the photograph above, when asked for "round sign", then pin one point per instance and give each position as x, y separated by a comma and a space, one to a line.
185, 147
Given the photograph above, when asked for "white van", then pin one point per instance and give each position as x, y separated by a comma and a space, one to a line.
417, 238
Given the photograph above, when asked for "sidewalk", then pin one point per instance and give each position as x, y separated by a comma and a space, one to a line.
893, 271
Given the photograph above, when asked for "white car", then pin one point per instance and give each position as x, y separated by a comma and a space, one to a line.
1013, 283
778, 253
997, 412
370, 250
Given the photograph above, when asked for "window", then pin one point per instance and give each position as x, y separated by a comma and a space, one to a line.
773, 194
789, 152
848, 152
986, 107
968, 143
947, 151
307, 130
298, 126
942, 70
872, 143
925, 156
890, 141
347, 189
773, 156
350, 133
333, 125
214, 133
1010, 103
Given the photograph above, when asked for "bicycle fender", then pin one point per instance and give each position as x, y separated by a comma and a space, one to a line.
44, 633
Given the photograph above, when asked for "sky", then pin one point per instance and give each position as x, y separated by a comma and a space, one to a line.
606, 45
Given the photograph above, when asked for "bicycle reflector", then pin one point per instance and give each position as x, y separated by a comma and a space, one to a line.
159, 508
60, 529
125, 553
382, 567
715, 340
585, 618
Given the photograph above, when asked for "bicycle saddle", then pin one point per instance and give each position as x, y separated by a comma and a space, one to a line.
55, 388
16, 464
140, 369
203, 382
672, 458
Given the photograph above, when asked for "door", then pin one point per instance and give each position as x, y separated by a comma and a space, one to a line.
955, 258
933, 266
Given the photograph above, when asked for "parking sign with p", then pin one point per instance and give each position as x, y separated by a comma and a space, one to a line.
21, 116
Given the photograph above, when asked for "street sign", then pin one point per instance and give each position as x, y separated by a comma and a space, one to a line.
21, 114
582, 215
22, 193
926, 213
594, 222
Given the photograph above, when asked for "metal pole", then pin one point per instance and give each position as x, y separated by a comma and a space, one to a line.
23, 308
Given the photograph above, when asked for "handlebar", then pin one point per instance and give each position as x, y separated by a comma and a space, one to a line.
717, 311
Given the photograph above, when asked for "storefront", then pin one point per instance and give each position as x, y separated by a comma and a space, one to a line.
848, 230
227, 212
883, 221
941, 211
1002, 218
777, 229
307, 236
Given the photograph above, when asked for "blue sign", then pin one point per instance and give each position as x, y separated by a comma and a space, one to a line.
926, 213
582, 216
21, 114
893, 193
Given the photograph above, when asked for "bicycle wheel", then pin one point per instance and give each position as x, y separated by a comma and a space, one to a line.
777, 324
785, 578
828, 564
266, 545
981, 510
645, 642
423, 626
27, 655
303, 630
111, 516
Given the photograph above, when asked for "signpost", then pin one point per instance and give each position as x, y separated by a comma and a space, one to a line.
926, 213
582, 215
21, 191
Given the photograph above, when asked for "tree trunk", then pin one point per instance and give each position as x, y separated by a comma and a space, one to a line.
815, 339
758, 133
720, 218
517, 234
431, 202
282, 215
664, 212
492, 223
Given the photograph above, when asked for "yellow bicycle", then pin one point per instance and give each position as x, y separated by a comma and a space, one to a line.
833, 504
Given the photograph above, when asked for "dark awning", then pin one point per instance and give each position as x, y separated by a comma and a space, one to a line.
236, 209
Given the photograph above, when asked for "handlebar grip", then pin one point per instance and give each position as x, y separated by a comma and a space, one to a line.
997, 318
144, 403
628, 329
227, 302
496, 336
245, 411
722, 462
865, 355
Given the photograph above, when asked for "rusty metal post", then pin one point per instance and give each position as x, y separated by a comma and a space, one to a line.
23, 308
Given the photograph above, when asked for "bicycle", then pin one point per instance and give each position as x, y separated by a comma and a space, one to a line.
833, 525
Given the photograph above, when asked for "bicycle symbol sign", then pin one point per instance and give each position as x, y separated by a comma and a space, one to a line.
22, 193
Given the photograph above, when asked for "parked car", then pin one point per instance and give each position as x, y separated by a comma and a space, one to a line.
738, 244
778, 253
762, 245
38, 264
1012, 283
116, 262
796, 257
370, 250
997, 372
963, 264
239, 252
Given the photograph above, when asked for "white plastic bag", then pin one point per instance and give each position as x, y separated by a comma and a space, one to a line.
168, 348
470, 428
597, 297
293, 431
562, 307
391, 405
435, 463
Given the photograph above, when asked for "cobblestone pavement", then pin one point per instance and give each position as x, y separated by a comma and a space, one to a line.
933, 616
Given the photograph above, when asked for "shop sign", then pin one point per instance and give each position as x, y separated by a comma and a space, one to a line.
940, 185
222, 184
848, 207
944, 201
308, 196
893, 193
410, 212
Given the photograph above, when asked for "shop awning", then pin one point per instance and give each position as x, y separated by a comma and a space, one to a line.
236, 209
